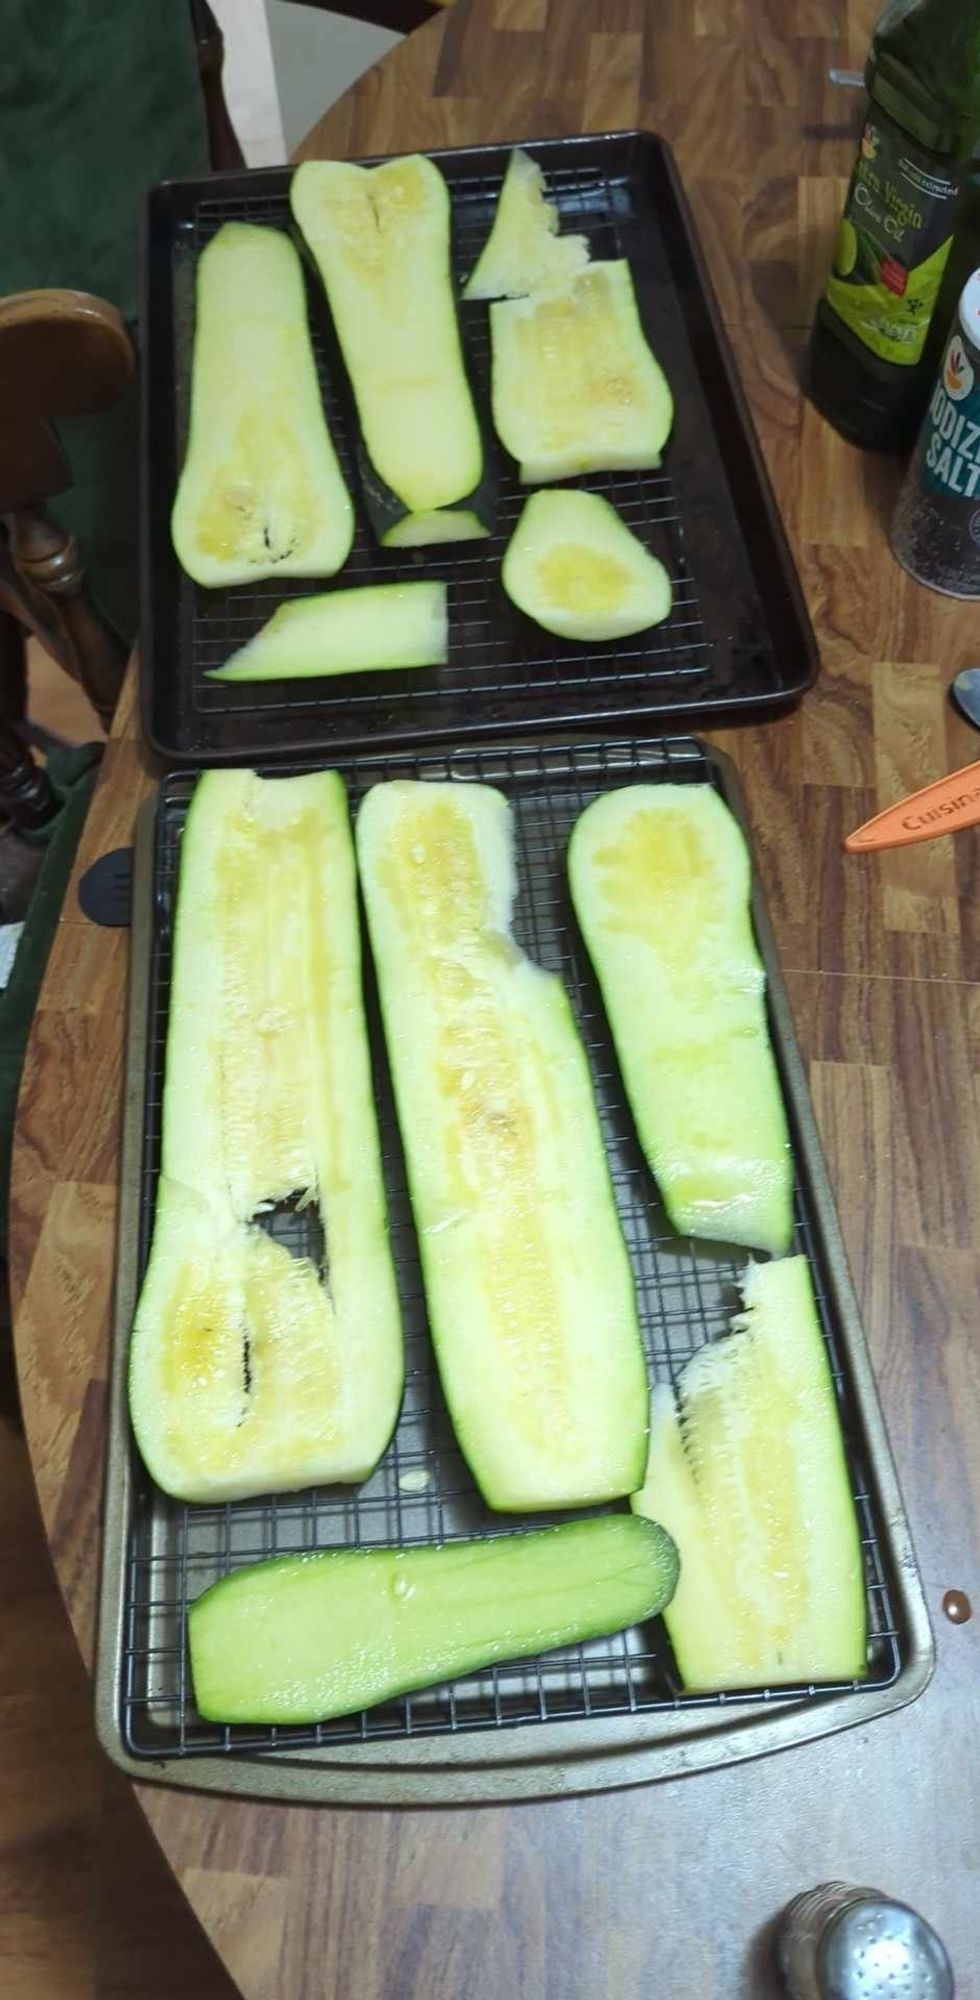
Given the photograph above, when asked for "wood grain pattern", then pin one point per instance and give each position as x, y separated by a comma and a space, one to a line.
669, 1890
88, 1908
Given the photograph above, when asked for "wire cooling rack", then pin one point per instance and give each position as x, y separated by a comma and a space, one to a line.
738, 636
422, 1490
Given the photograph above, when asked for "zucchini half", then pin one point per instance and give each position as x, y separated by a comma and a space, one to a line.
747, 1472
380, 238
308, 1637
527, 1278
370, 629
251, 1370
574, 566
261, 493
524, 252
575, 386
660, 882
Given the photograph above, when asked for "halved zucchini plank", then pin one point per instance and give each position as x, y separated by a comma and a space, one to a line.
573, 566
575, 386
528, 1283
250, 1370
380, 240
432, 526
660, 882
261, 492
308, 1637
747, 1472
524, 252
366, 630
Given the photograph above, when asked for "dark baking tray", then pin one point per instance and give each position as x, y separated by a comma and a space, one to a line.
609, 1712
738, 639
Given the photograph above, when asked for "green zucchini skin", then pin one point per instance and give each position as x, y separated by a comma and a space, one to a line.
528, 1281
260, 492
251, 1370
304, 1638
379, 239
373, 628
524, 252
391, 521
576, 387
574, 566
661, 883
748, 1473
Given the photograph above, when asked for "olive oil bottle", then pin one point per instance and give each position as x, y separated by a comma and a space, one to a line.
871, 360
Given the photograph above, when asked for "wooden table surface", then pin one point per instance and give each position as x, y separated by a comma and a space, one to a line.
662, 1891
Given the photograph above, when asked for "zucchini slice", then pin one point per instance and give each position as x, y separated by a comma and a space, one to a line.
660, 881
575, 386
261, 492
524, 252
574, 567
747, 1472
308, 1637
251, 1370
527, 1279
380, 239
366, 630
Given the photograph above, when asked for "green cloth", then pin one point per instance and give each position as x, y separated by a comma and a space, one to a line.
99, 99
73, 774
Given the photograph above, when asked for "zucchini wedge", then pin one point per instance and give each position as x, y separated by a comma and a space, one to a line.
573, 566
528, 1283
308, 1637
379, 237
747, 1472
575, 386
261, 493
371, 629
660, 882
252, 1371
524, 252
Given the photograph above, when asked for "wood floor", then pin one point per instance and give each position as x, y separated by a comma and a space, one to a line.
55, 703
88, 1909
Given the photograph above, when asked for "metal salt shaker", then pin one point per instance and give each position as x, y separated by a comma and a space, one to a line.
841, 1943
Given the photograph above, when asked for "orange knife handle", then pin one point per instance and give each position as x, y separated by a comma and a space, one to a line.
951, 803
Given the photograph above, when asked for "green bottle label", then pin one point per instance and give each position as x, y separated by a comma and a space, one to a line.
893, 242
949, 444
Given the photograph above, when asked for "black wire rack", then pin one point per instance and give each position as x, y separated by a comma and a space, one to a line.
422, 1491
738, 636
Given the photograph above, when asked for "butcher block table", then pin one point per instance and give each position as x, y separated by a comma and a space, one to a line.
666, 1890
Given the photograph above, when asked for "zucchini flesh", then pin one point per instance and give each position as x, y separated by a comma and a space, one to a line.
250, 1370
524, 252
574, 567
575, 386
305, 1638
660, 881
447, 524
261, 492
380, 239
747, 1472
366, 630
528, 1283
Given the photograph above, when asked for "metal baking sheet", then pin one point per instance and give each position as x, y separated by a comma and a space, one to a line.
738, 640
607, 1713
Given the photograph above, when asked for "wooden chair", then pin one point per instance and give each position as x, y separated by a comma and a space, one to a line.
61, 354
64, 353
67, 353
